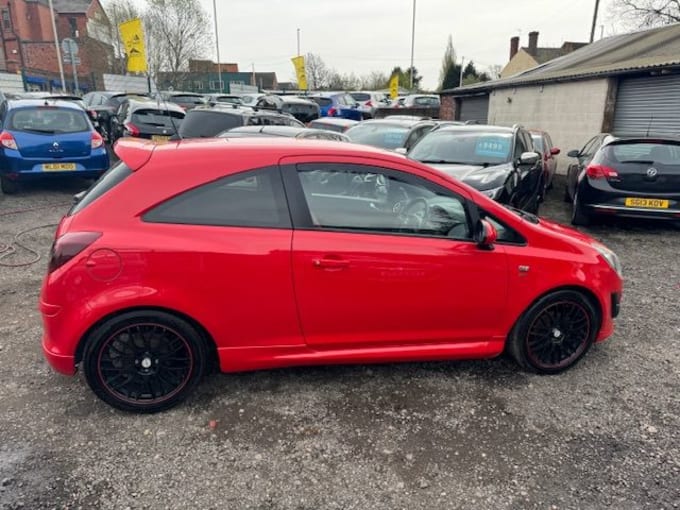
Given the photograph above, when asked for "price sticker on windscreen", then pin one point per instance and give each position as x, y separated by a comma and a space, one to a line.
493, 146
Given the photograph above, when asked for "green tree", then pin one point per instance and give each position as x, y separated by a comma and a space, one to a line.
449, 76
471, 75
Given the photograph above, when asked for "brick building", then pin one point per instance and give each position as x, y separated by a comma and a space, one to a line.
28, 41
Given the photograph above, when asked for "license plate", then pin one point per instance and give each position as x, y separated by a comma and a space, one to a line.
58, 167
160, 138
650, 203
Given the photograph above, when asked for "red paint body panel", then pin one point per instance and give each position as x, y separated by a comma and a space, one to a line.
259, 293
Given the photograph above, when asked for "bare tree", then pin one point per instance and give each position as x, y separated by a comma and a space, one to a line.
176, 33
648, 13
375, 80
318, 74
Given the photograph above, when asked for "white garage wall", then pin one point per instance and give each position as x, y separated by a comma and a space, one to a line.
570, 112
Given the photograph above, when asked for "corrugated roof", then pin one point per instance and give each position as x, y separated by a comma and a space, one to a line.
648, 49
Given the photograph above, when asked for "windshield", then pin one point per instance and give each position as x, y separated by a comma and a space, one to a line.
386, 136
463, 147
49, 120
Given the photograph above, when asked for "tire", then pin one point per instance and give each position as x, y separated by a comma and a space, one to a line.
578, 214
144, 361
9, 187
534, 342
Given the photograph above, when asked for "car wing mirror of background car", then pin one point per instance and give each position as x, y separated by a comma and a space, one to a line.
485, 234
574, 153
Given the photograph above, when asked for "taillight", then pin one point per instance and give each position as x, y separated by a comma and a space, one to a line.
331, 112
68, 246
369, 103
131, 128
601, 172
97, 140
7, 141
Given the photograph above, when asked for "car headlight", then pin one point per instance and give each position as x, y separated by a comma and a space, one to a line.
611, 257
492, 193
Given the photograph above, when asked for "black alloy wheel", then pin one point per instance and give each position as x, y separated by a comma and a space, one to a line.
144, 361
579, 216
555, 332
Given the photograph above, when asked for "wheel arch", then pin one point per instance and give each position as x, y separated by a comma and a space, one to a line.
210, 341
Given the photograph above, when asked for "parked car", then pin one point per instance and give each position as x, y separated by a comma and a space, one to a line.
337, 105
213, 99
369, 102
251, 99
185, 100
206, 122
147, 118
43, 138
498, 161
285, 131
105, 104
635, 177
289, 230
420, 100
390, 134
543, 144
333, 124
302, 109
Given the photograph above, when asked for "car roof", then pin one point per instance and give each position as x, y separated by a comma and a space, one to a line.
138, 103
25, 103
274, 130
237, 109
651, 137
180, 93
336, 120
481, 128
407, 123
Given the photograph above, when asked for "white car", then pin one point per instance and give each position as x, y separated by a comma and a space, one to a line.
369, 102
417, 100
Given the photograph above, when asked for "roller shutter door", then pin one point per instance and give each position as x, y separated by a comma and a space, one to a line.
474, 109
648, 104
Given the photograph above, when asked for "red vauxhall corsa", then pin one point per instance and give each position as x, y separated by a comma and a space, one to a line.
261, 253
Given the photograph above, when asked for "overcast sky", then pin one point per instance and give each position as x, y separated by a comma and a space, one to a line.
364, 35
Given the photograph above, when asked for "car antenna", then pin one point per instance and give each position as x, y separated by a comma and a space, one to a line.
172, 121
649, 126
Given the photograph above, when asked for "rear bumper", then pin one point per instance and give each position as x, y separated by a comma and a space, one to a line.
19, 168
60, 359
62, 363
612, 202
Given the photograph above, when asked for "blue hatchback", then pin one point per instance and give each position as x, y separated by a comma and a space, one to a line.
45, 138
337, 105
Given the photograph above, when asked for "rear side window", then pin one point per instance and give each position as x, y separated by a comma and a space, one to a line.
109, 180
159, 118
49, 120
208, 123
247, 199
321, 101
538, 143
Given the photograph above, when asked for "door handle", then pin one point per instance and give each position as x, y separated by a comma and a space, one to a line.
331, 264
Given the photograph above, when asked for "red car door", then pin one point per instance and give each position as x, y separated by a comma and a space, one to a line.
384, 257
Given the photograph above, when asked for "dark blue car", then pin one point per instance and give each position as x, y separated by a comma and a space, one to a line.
338, 104
45, 138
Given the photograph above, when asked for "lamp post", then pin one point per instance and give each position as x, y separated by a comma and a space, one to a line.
217, 46
298, 42
413, 40
56, 45
592, 28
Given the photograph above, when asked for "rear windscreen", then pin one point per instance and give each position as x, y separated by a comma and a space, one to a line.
110, 179
48, 119
359, 96
643, 153
321, 101
208, 123
158, 118
188, 99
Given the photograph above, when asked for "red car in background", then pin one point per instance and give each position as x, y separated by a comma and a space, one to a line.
262, 253
543, 144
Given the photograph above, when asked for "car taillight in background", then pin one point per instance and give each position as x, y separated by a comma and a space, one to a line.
332, 111
131, 129
68, 246
7, 141
97, 140
369, 103
601, 172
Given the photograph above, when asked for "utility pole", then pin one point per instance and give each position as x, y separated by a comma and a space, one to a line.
217, 45
592, 29
460, 78
298, 42
413, 41
56, 45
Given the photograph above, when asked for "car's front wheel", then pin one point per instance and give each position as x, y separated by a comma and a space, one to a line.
555, 332
144, 361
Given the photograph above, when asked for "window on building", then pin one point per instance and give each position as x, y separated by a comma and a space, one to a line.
6, 20
73, 26
198, 85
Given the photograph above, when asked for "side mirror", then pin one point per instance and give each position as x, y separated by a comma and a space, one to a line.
554, 151
529, 158
574, 153
401, 150
485, 235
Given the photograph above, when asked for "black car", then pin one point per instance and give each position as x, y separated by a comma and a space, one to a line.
285, 131
146, 118
209, 121
498, 161
185, 100
104, 105
635, 177
302, 109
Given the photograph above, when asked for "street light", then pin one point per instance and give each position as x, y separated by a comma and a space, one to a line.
413, 40
217, 45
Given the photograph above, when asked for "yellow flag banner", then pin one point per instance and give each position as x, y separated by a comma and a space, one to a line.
394, 86
132, 34
299, 64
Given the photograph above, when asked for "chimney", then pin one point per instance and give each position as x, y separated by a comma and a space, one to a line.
533, 43
514, 46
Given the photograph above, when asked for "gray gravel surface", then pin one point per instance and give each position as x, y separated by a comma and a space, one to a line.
474, 435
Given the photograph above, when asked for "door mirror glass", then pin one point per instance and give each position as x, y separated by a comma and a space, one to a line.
575, 153
485, 234
529, 158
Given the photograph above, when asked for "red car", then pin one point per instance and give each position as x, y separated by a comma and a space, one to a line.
260, 253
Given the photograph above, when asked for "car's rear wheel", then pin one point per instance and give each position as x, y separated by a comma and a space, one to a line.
555, 332
578, 215
9, 187
144, 361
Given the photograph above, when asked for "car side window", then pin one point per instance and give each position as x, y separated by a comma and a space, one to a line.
247, 199
369, 199
589, 148
520, 147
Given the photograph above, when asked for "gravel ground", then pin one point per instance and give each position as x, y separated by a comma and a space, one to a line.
415, 436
